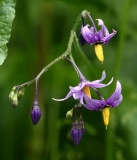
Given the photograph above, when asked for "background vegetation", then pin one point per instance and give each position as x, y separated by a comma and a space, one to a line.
40, 33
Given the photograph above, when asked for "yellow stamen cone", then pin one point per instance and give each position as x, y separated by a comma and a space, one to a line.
99, 52
86, 90
106, 114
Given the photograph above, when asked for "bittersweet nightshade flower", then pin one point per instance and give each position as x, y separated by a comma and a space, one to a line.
104, 105
35, 111
92, 36
79, 91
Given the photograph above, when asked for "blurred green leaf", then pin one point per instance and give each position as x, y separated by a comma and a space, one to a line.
7, 14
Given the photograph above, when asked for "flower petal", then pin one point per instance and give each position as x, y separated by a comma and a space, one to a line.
97, 84
68, 95
104, 28
93, 104
116, 103
108, 37
87, 34
92, 29
116, 95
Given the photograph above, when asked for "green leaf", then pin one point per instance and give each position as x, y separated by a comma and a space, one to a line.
7, 14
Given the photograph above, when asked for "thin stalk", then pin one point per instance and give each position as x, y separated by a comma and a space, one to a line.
66, 53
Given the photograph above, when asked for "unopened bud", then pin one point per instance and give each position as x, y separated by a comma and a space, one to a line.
35, 113
76, 132
21, 93
13, 98
69, 114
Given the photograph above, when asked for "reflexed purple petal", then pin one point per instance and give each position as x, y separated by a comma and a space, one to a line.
116, 103
116, 95
108, 37
78, 94
103, 27
100, 22
87, 34
78, 88
68, 95
100, 85
97, 84
102, 78
93, 104
105, 31
92, 29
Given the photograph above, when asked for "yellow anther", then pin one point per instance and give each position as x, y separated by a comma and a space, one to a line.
86, 90
106, 114
99, 52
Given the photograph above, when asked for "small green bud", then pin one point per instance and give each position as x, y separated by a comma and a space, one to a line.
21, 93
69, 114
13, 98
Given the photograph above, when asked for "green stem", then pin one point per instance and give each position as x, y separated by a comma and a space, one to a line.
110, 134
66, 53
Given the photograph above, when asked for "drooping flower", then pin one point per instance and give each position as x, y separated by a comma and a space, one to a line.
79, 91
92, 36
104, 105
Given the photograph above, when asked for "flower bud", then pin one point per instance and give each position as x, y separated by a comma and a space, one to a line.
21, 93
77, 131
69, 114
13, 97
35, 113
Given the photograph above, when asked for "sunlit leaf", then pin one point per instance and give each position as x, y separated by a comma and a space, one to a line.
7, 14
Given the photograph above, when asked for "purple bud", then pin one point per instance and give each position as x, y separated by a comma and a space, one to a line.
77, 132
35, 113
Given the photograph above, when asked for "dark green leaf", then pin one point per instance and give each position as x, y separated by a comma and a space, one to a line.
7, 14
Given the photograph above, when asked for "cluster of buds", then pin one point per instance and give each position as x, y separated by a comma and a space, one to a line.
77, 129
17, 93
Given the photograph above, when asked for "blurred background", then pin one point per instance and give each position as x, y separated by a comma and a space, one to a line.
40, 33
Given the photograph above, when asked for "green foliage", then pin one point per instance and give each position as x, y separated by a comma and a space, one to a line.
7, 14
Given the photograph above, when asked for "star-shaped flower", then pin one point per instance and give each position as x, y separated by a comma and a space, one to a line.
92, 36
79, 91
104, 105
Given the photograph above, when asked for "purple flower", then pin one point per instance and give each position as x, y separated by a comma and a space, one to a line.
92, 36
104, 105
79, 91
